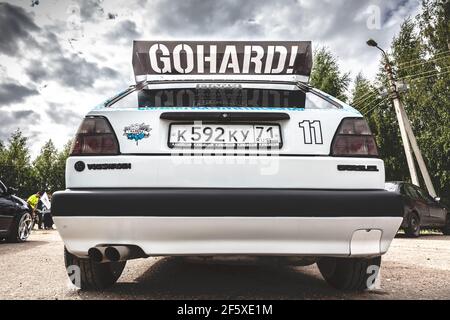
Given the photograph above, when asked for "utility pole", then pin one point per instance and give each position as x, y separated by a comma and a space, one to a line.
420, 161
400, 112
406, 129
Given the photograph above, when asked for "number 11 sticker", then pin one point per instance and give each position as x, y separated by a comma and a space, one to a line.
312, 131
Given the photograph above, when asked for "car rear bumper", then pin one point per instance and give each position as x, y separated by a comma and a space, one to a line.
227, 202
230, 221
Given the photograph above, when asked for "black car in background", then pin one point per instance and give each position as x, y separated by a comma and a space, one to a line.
16, 220
421, 210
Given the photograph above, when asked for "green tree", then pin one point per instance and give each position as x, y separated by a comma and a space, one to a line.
15, 167
2, 158
326, 76
44, 167
60, 167
2, 151
434, 28
420, 56
422, 61
434, 23
363, 93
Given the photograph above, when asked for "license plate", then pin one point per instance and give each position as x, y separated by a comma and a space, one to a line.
225, 135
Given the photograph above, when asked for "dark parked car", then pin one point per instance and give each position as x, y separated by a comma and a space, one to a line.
16, 220
421, 210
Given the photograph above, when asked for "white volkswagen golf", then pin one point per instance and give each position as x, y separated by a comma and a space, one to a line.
223, 149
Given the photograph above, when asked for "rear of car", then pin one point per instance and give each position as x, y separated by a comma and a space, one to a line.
245, 167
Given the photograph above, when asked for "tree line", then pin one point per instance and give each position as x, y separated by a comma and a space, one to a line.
45, 173
420, 55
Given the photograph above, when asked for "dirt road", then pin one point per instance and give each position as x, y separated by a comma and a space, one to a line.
412, 269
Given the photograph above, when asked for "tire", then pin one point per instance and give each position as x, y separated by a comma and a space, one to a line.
446, 229
93, 275
349, 274
21, 228
413, 228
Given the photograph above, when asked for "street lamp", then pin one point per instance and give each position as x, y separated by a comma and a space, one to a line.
387, 66
373, 43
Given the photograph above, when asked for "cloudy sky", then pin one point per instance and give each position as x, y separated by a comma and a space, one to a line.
58, 59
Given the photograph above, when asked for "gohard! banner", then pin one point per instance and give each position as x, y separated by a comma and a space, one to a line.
222, 58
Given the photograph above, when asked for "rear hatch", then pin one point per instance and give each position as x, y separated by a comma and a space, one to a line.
225, 119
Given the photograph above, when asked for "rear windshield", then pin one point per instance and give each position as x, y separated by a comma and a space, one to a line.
222, 96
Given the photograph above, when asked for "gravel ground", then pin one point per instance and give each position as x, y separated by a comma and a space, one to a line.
412, 269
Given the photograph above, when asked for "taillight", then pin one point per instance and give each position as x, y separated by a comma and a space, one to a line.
354, 138
95, 137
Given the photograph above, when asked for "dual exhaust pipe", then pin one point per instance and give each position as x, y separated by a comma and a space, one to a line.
115, 253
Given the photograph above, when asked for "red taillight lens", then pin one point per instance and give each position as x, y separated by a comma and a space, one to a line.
354, 138
95, 137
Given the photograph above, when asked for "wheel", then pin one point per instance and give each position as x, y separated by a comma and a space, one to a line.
92, 275
446, 229
351, 274
413, 228
21, 228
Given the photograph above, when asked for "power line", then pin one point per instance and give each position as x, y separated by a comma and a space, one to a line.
405, 64
424, 73
370, 104
424, 62
374, 99
429, 76
373, 108
370, 91
364, 98
367, 112
436, 55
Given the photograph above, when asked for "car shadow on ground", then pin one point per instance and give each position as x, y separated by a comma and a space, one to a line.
178, 278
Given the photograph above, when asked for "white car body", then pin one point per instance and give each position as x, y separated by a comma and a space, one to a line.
225, 164
296, 166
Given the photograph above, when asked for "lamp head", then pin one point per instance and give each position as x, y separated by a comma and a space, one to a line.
372, 43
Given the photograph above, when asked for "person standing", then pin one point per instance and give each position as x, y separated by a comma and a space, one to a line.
33, 202
46, 213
